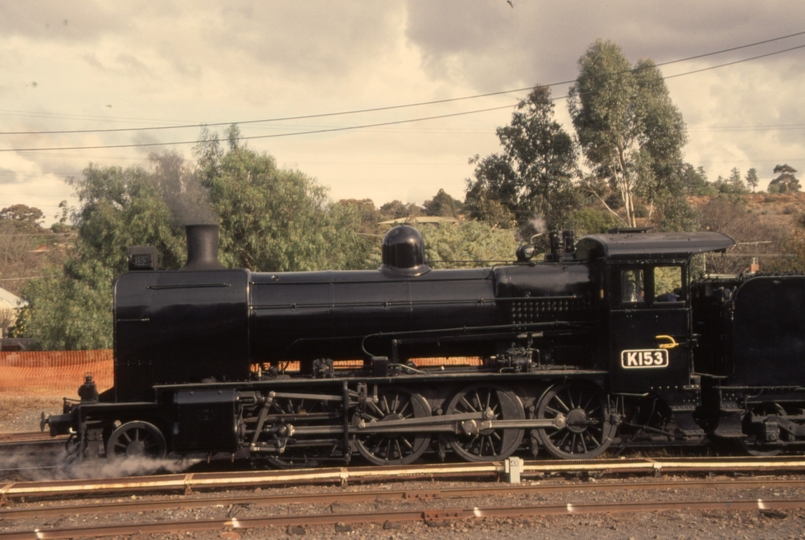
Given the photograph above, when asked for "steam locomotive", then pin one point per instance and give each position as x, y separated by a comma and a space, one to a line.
608, 340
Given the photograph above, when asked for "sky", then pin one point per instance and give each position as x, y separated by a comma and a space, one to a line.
143, 67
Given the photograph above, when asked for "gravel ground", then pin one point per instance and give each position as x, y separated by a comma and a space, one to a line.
675, 524
22, 414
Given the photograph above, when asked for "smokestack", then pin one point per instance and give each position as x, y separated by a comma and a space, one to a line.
202, 248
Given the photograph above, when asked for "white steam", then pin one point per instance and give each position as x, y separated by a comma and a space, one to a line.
24, 466
539, 225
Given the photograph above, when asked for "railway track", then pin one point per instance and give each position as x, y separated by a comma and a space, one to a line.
437, 507
506, 471
34, 445
27, 436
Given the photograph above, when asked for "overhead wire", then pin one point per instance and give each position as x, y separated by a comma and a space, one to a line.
387, 123
389, 107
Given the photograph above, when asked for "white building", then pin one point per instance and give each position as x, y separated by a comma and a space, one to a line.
9, 303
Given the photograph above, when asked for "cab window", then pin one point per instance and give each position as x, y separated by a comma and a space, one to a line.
668, 284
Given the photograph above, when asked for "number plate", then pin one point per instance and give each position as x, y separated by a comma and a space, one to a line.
647, 358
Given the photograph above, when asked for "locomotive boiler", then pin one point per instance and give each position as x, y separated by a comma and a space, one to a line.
606, 340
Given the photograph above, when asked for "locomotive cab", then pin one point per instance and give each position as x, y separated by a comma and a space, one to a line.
649, 315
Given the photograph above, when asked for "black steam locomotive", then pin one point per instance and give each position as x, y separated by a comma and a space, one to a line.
608, 340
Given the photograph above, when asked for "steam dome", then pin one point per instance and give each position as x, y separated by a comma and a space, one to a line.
404, 252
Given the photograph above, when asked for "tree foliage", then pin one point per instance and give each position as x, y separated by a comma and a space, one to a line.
694, 181
71, 307
532, 177
397, 209
275, 219
22, 216
630, 132
593, 221
443, 205
25, 247
734, 185
271, 220
468, 243
786, 182
751, 179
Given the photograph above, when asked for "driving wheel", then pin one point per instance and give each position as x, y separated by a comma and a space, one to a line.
583, 412
393, 448
475, 442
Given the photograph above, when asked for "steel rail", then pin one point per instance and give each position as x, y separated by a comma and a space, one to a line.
427, 516
342, 475
11, 447
28, 436
258, 499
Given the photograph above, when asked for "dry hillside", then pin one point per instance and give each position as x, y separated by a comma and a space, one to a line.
780, 211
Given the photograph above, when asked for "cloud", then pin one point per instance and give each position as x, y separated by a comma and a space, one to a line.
25, 181
61, 21
540, 42
191, 62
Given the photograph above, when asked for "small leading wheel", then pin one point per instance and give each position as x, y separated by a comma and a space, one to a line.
136, 439
390, 448
490, 444
587, 432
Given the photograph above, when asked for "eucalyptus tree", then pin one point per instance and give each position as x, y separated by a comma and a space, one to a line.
271, 219
532, 177
70, 307
786, 182
630, 132
275, 219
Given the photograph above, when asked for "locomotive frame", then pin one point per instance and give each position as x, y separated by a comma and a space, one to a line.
607, 340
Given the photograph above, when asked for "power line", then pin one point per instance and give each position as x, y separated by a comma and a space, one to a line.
387, 107
378, 124
275, 135
692, 72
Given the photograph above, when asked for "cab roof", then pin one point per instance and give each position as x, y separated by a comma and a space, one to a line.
672, 245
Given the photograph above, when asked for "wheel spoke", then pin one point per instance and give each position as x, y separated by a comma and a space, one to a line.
406, 406
136, 439
562, 403
398, 448
394, 448
380, 413
490, 443
587, 432
554, 411
386, 408
407, 443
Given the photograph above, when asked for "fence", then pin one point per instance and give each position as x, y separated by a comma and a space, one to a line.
60, 373
53, 373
